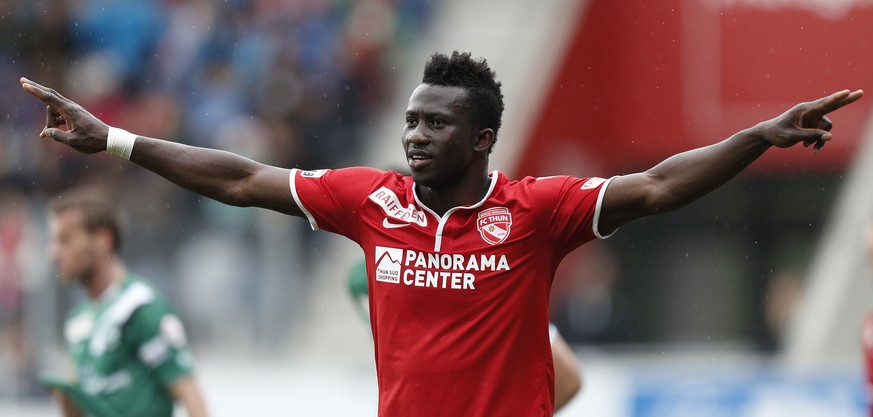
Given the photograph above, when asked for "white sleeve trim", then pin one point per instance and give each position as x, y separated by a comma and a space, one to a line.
597, 209
293, 185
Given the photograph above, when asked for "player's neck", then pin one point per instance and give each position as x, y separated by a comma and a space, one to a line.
105, 274
465, 193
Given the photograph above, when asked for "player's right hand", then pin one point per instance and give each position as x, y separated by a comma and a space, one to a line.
807, 122
84, 132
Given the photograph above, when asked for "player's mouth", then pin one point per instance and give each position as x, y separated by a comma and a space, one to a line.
417, 159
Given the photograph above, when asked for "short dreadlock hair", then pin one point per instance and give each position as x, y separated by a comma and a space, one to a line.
484, 100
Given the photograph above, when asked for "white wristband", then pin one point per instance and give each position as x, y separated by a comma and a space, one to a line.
120, 142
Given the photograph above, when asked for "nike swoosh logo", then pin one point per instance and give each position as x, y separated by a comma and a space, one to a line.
388, 225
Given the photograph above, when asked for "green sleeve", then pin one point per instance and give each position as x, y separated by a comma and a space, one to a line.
358, 289
158, 339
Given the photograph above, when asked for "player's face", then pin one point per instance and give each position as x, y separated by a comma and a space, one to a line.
72, 247
439, 137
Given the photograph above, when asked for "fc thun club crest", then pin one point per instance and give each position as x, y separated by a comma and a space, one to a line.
494, 224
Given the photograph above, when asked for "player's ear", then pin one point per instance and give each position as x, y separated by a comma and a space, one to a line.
105, 239
484, 140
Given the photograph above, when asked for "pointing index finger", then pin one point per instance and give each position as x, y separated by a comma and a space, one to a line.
836, 101
43, 93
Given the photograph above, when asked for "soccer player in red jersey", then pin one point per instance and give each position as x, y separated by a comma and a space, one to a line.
460, 260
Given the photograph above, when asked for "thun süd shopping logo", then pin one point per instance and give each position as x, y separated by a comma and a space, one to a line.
388, 264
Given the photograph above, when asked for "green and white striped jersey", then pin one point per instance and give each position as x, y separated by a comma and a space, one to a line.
127, 348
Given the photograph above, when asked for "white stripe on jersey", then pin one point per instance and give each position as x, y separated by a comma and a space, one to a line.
597, 210
293, 185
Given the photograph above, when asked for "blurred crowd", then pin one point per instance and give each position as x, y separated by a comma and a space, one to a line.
291, 83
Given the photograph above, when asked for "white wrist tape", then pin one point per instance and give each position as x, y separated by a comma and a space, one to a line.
120, 142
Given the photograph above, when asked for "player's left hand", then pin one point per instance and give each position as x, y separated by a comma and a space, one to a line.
84, 132
806, 122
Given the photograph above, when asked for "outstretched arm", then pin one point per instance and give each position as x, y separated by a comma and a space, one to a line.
186, 391
68, 407
223, 176
683, 178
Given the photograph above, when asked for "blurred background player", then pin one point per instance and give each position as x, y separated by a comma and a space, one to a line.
568, 378
128, 347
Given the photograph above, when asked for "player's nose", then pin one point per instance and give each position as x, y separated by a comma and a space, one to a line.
417, 136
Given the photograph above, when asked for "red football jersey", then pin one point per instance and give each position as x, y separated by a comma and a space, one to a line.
459, 304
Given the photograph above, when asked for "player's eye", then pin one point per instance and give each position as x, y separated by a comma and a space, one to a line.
410, 122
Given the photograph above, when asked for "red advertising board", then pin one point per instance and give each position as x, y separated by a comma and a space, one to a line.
642, 80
